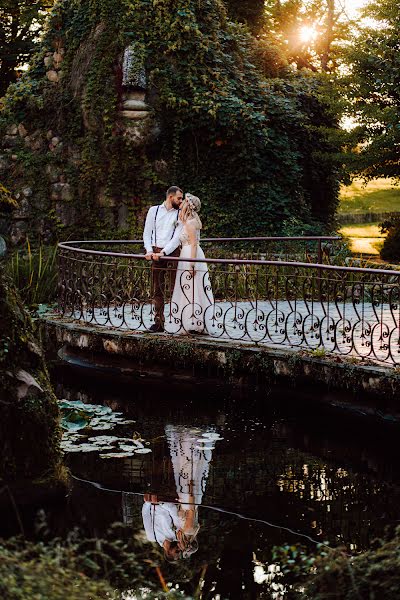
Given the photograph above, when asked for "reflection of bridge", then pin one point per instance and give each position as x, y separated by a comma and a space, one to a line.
265, 291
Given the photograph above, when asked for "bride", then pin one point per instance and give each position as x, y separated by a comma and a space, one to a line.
192, 295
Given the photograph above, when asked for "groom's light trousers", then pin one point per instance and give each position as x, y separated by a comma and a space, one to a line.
163, 275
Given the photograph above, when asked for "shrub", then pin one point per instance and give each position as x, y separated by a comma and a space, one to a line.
391, 247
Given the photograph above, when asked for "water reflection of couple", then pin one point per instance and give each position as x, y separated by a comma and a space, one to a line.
174, 526
172, 225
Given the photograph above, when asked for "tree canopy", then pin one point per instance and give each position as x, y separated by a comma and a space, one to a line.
21, 24
373, 87
309, 32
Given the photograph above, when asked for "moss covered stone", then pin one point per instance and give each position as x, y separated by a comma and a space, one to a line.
29, 423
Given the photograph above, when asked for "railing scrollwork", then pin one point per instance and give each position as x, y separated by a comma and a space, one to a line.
271, 291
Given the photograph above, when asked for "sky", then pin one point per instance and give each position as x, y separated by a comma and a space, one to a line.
352, 6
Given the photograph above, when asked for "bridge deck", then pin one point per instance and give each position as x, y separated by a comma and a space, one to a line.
362, 330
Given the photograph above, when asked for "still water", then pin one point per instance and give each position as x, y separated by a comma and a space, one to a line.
248, 470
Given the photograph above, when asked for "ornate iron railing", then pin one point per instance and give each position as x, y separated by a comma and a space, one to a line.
346, 310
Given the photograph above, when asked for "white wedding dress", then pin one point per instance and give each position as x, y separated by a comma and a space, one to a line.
191, 451
192, 299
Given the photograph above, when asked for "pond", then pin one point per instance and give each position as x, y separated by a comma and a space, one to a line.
254, 469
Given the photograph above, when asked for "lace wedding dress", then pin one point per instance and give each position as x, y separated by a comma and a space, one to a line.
191, 450
192, 298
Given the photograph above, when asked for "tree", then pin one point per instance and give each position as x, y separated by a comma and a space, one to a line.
391, 246
21, 24
373, 86
249, 12
310, 32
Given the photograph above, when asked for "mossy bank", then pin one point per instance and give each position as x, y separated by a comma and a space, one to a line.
29, 425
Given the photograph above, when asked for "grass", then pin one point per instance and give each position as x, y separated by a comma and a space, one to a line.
377, 196
365, 238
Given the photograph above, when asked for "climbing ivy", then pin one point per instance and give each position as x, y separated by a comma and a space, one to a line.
256, 149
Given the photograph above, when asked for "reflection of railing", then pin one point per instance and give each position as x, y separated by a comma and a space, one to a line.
347, 310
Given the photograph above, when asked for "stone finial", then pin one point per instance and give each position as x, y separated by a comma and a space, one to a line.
133, 73
134, 114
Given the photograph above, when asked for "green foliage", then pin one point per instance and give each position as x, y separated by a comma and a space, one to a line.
44, 577
29, 428
78, 567
374, 90
34, 274
21, 25
235, 126
332, 574
250, 12
391, 247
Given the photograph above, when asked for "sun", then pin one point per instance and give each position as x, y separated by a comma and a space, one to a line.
307, 33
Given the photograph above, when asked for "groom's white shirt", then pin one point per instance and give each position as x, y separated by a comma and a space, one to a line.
161, 521
165, 229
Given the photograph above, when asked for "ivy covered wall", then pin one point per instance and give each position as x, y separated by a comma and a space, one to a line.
93, 134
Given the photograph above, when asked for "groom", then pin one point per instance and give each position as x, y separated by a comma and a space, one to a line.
161, 238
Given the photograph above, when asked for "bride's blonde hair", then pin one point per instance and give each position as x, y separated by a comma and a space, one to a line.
192, 207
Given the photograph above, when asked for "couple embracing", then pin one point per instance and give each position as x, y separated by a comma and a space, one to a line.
172, 229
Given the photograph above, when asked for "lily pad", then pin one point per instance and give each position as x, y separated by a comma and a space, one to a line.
80, 448
103, 427
77, 415
74, 425
126, 448
116, 455
103, 439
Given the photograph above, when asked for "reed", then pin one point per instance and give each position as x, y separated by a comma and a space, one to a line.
34, 273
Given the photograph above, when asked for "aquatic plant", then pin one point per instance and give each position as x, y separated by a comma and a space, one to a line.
88, 418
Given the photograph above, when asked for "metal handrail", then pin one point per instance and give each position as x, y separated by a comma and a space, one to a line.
342, 309
239, 261
306, 238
